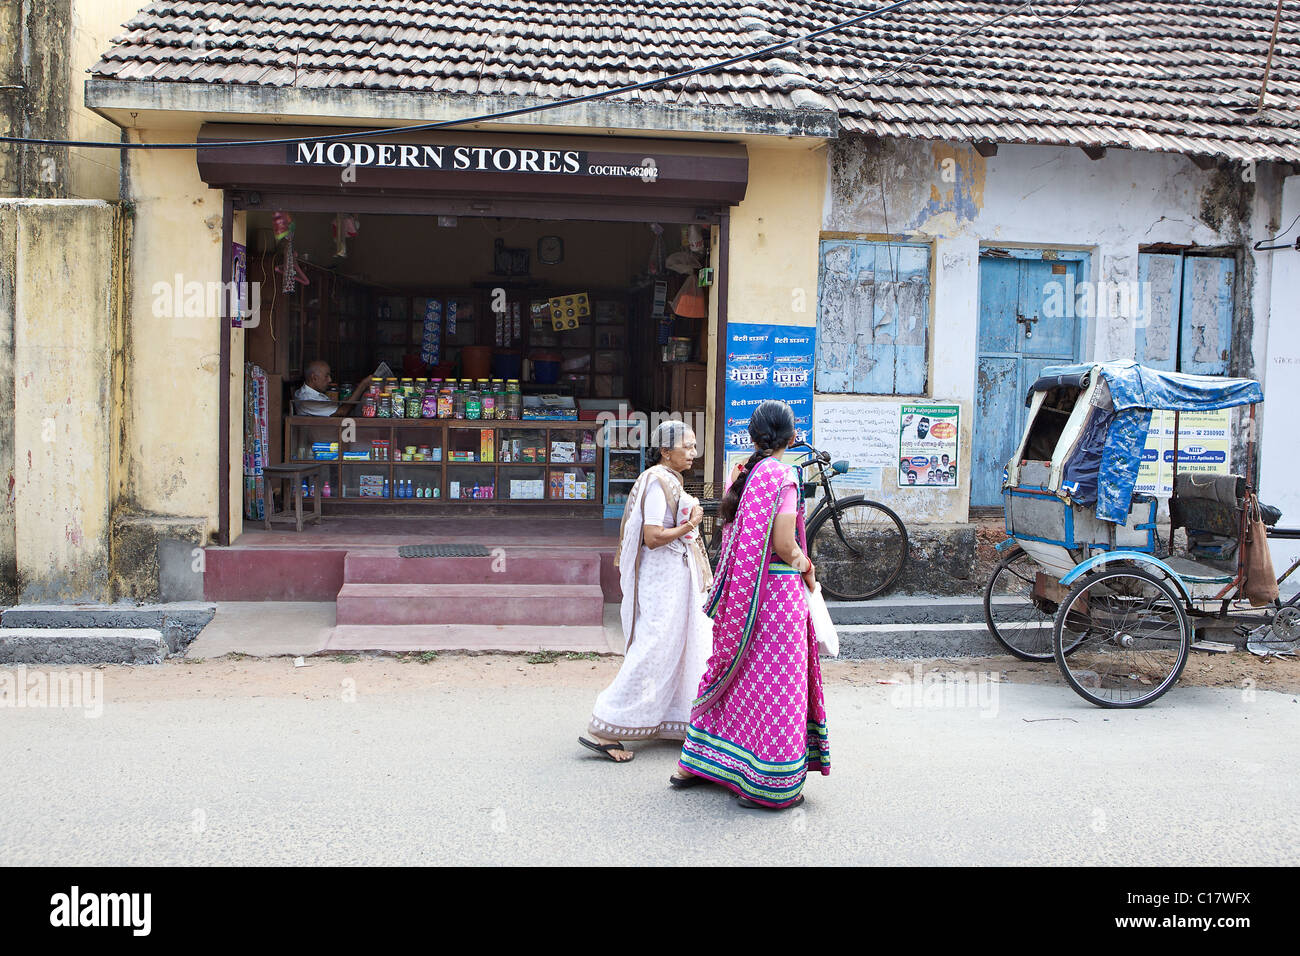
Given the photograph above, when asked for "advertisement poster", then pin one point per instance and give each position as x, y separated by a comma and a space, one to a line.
767, 361
239, 276
1203, 447
927, 445
861, 433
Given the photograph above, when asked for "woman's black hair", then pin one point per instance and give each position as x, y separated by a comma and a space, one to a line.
771, 427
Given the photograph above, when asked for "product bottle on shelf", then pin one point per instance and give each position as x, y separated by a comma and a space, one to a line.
325, 492
386, 495
410, 493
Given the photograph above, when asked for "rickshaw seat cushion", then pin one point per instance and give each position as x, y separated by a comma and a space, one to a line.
1226, 489
1193, 572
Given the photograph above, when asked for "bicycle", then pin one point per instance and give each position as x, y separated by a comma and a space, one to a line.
858, 546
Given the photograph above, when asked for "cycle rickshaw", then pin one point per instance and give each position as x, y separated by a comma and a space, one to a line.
1085, 579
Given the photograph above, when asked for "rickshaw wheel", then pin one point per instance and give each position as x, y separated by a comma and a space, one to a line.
1130, 634
1023, 627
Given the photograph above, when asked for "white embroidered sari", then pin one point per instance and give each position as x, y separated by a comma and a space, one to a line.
669, 636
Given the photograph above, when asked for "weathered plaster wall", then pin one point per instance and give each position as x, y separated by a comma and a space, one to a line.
46, 46
92, 173
170, 366
34, 63
773, 257
1034, 197
58, 301
1279, 482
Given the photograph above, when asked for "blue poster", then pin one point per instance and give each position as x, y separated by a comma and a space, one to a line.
767, 361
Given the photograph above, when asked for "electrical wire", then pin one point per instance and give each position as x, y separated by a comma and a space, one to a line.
484, 117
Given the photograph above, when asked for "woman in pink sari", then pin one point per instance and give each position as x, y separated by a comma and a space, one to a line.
758, 724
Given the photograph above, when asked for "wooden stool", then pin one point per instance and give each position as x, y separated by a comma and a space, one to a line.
295, 474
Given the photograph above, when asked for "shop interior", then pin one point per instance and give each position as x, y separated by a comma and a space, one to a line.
471, 355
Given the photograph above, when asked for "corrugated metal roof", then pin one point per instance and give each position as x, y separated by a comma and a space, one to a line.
1145, 74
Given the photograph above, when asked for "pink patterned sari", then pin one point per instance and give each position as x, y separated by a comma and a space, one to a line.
758, 724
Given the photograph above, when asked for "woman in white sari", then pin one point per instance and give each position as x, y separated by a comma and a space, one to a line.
664, 572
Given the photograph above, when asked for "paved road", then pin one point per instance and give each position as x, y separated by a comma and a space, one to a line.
476, 774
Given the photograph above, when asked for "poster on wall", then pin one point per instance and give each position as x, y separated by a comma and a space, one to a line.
928, 445
239, 278
767, 361
861, 433
1203, 447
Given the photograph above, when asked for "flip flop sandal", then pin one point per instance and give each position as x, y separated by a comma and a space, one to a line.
605, 750
751, 805
681, 783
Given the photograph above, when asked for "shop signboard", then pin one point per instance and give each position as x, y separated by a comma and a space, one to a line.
928, 450
763, 362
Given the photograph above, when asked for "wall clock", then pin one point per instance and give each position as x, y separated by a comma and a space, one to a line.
550, 250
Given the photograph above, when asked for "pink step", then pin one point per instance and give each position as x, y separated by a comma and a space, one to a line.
465, 637
549, 605
510, 566
272, 574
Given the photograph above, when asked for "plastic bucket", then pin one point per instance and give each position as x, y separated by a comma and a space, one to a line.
546, 368
507, 365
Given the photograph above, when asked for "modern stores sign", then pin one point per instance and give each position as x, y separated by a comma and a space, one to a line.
487, 159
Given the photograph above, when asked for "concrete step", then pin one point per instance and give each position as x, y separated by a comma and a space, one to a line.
549, 605
179, 622
863, 641
919, 609
507, 566
307, 573
460, 637
82, 645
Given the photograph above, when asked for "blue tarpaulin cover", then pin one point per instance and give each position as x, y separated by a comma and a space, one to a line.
1136, 386
1135, 390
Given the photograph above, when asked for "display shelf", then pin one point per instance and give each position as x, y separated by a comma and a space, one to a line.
436, 476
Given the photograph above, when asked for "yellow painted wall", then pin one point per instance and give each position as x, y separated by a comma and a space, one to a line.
60, 307
773, 256
171, 361
93, 173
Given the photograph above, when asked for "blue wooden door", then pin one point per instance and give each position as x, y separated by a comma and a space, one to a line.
1026, 321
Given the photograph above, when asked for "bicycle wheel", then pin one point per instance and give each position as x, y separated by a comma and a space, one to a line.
1019, 621
858, 548
1132, 633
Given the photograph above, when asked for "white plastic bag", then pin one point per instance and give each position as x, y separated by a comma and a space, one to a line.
828, 641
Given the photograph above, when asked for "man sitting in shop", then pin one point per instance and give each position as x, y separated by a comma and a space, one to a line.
311, 397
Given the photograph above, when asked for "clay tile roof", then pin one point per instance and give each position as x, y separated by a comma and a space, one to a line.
1166, 75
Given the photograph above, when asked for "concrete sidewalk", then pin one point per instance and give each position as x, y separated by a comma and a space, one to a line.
276, 628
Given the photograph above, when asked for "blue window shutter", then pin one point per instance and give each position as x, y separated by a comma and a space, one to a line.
1206, 339
873, 308
1160, 281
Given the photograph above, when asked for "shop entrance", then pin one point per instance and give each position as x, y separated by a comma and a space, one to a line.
478, 365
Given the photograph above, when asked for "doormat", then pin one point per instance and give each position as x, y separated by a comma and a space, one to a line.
443, 551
